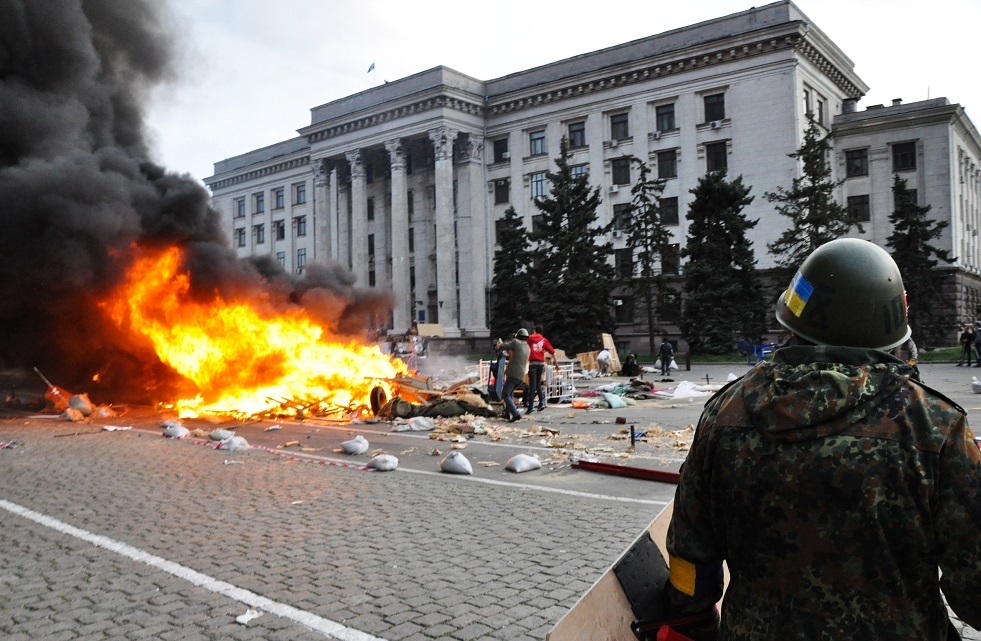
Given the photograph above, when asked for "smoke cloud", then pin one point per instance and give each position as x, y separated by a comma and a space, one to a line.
77, 189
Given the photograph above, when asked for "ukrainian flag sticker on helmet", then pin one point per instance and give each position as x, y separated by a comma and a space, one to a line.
797, 294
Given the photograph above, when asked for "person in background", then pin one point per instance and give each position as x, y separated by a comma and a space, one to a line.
515, 371
908, 353
538, 346
977, 342
666, 355
843, 494
967, 344
604, 360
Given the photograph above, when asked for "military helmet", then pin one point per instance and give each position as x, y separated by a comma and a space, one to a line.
847, 292
521, 333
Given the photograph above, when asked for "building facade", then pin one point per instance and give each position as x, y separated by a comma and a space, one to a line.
403, 183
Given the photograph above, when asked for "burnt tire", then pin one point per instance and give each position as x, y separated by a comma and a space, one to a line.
378, 399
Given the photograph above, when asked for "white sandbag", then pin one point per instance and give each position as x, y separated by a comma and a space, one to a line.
975, 385
615, 400
81, 403
455, 463
421, 424
657, 364
174, 429
523, 463
357, 445
221, 435
673, 364
383, 463
234, 444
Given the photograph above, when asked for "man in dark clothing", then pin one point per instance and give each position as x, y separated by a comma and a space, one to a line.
538, 346
666, 354
830, 480
967, 346
515, 371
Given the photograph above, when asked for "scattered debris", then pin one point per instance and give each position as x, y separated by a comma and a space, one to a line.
10, 445
248, 616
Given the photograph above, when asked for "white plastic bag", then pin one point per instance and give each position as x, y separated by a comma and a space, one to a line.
234, 444
174, 429
673, 365
455, 463
221, 435
421, 424
657, 364
522, 463
975, 385
357, 445
383, 463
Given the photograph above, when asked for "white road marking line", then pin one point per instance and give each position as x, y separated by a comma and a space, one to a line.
330, 629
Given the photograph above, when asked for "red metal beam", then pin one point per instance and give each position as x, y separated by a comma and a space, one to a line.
643, 473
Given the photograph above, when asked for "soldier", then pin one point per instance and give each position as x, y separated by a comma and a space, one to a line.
831, 481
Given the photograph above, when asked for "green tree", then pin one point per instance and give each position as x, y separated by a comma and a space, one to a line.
648, 237
511, 284
815, 216
909, 244
723, 294
574, 275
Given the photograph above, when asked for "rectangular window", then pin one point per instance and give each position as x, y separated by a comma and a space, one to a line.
904, 156
240, 208
240, 236
539, 185
369, 173
371, 245
502, 191
820, 112
536, 143
281, 258
670, 259
371, 209
279, 200
858, 208
664, 116
669, 211
412, 239
260, 234
410, 203
371, 278
620, 126
716, 157
856, 162
623, 311
412, 278
299, 194
669, 306
498, 227
301, 225
621, 171
577, 135
260, 204
715, 107
624, 261
538, 223
667, 164
301, 260
279, 229
579, 170
621, 218
501, 152
807, 102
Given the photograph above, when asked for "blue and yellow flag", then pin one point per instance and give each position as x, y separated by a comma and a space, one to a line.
797, 294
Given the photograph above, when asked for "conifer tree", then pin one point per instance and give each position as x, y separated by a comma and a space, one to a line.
724, 300
909, 244
510, 286
815, 216
648, 237
573, 275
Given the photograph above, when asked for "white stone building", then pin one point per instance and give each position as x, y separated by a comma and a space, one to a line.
403, 183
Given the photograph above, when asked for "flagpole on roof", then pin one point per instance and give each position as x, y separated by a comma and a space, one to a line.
371, 70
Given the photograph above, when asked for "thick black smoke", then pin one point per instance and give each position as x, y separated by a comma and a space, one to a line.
77, 189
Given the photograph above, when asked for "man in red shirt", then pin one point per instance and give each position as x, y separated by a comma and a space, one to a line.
536, 369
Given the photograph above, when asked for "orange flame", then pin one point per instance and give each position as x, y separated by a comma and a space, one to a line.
242, 357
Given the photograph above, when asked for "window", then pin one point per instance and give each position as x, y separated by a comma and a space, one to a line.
621, 171
240, 236
536, 143
910, 194
371, 278
621, 217
412, 278
623, 311
669, 306
807, 102
498, 227
820, 112
620, 126
715, 107
669, 211
670, 259
301, 225
240, 208
538, 184
664, 117
410, 203
371, 245
856, 162
301, 260
577, 135
904, 156
260, 204
260, 234
577, 171
538, 223
279, 229
501, 152
624, 261
716, 157
858, 208
278, 198
299, 194
667, 164
369, 173
371, 209
412, 239
281, 258
502, 191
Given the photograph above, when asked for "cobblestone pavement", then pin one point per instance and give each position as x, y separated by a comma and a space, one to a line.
143, 537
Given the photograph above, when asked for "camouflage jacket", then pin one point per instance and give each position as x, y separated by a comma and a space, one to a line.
837, 489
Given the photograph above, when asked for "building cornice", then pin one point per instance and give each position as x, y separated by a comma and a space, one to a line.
828, 68
259, 172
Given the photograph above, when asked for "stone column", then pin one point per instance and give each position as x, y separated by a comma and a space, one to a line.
359, 219
446, 296
472, 232
401, 294
322, 211
333, 213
